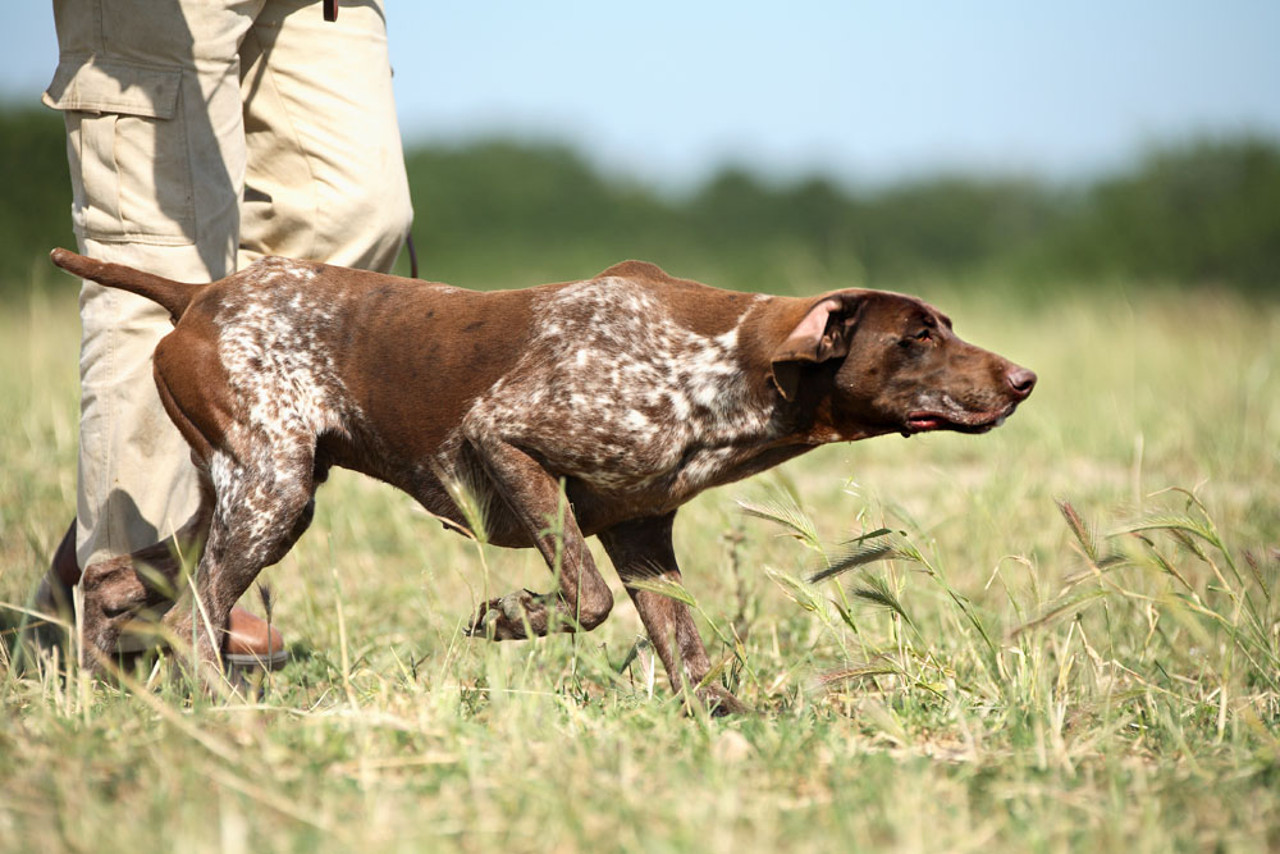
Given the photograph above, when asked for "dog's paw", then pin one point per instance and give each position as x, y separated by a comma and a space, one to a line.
720, 703
515, 616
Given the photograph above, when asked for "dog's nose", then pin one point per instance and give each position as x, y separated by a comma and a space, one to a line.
1021, 380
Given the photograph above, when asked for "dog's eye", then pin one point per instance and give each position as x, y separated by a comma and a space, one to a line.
922, 337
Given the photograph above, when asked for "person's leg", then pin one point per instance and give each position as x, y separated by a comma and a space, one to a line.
155, 143
325, 177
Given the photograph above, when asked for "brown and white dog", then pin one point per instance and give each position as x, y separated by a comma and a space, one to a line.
625, 395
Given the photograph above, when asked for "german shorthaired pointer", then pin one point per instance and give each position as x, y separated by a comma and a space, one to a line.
586, 408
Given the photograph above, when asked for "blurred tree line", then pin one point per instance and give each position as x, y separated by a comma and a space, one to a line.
506, 214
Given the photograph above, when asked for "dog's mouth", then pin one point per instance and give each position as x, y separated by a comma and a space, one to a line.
926, 421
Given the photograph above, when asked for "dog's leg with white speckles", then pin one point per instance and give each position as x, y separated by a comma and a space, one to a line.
642, 550
534, 496
262, 506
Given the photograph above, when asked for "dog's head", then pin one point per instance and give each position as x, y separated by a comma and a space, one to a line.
880, 362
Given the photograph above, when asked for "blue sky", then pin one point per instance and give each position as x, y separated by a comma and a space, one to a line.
666, 91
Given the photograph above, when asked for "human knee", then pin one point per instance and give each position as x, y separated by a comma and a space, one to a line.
368, 228
358, 224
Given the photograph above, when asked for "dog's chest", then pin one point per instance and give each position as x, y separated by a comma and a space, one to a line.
613, 391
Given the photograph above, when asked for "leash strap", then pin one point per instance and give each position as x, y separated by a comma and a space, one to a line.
413, 255
331, 10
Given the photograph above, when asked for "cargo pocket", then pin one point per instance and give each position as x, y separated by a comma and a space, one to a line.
127, 147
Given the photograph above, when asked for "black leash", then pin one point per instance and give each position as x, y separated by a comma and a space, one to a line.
413, 255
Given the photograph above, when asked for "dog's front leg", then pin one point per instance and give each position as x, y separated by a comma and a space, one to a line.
641, 550
534, 498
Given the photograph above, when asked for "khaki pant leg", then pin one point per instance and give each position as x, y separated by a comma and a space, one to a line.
326, 177
136, 481
151, 98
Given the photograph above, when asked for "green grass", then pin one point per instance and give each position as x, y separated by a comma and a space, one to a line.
1069, 641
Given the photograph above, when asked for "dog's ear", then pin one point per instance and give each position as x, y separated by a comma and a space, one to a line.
824, 333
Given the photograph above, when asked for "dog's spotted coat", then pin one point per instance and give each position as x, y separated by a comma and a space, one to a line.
626, 394
620, 395
288, 393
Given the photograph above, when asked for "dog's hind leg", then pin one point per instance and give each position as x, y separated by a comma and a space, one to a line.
262, 506
117, 590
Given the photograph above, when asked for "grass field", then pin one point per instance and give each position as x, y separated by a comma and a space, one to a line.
1075, 645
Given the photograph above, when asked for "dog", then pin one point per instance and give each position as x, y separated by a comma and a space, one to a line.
593, 407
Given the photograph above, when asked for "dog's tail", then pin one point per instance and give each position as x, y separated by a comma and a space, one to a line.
173, 296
